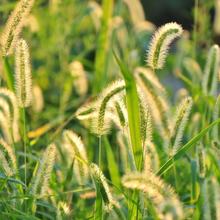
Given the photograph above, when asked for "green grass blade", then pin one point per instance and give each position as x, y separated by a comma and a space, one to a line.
103, 43
132, 103
185, 148
113, 167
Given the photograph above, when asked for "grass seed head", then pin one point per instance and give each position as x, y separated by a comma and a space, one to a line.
14, 26
23, 74
160, 42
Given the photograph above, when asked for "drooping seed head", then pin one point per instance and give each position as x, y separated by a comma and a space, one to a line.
160, 42
7, 158
100, 179
157, 191
100, 124
76, 147
9, 97
14, 26
23, 74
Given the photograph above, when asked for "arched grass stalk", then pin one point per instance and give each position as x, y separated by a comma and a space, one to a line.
210, 78
160, 42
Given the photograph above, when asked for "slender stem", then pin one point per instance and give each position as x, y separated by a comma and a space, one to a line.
196, 6
25, 143
100, 151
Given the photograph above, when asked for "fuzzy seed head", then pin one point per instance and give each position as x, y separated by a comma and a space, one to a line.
107, 196
160, 42
161, 194
76, 147
210, 78
11, 118
80, 80
101, 121
40, 181
182, 116
8, 158
14, 26
23, 74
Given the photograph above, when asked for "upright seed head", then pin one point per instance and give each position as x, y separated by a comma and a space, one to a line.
14, 26
80, 80
146, 125
40, 181
201, 162
210, 78
216, 115
182, 116
23, 74
160, 42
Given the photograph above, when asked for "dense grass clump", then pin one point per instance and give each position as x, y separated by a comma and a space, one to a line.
89, 130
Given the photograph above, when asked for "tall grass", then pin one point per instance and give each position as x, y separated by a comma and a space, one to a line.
89, 130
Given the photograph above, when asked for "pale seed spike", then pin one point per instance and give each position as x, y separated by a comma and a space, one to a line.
40, 181
210, 78
78, 150
10, 153
14, 26
99, 126
119, 108
151, 158
4, 108
5, 129
51, 156
37, 99
182, 116
160, 42
100, 179
147, 76
80, 80
162, 195
23, 74
11, 99
158, 108
146, 125
5, 165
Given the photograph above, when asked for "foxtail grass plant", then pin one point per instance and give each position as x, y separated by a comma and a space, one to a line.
160, 42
